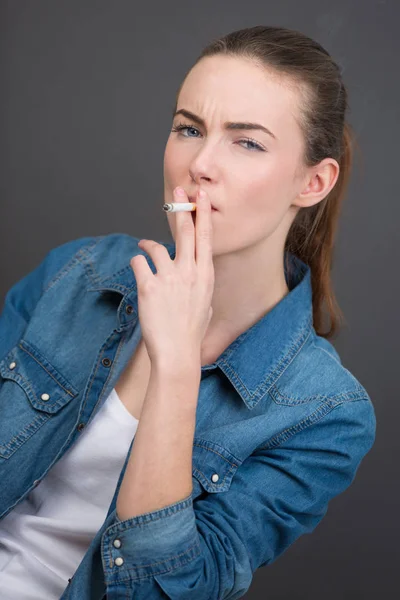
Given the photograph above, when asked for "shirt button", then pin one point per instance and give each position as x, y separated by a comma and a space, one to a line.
36, 482
45, 397
215, 477
117, 543
12, 365
81, 426
106, 362
129, 309
119, 561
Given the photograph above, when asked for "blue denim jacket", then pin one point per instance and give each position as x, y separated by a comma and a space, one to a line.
281, 425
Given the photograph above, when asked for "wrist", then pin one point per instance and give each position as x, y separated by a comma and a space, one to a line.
177, 365
178, 378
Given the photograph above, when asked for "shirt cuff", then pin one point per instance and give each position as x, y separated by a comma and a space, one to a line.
151, 543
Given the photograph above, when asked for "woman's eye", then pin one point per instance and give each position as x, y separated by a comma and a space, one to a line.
179, 128
255, 147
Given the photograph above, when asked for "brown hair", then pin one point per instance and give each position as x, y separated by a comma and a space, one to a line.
326, 134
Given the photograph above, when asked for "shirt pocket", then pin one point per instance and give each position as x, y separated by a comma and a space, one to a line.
214, 467
32, 391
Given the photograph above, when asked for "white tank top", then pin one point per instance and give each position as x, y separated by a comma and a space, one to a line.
44, 538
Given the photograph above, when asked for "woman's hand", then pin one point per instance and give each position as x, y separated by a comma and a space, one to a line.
175, 303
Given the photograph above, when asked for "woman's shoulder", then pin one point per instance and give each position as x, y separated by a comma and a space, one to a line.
321, 402
317, 373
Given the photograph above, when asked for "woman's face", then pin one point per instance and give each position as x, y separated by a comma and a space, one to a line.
252, 184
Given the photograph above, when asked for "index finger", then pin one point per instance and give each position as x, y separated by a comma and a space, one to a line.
203, 230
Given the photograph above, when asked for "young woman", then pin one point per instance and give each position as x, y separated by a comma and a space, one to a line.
173, 416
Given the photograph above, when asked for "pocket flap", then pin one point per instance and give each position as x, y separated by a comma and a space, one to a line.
213, 465
45, 387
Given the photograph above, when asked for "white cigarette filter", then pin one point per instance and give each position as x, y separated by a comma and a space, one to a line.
177, 206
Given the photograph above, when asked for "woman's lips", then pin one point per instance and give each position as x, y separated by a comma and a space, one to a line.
193, 200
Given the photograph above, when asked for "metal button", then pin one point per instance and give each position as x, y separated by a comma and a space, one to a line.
81, 426
117, 543
215, 477
36, 482
119, 561
129, 309
106, 362
12, 365
45, 397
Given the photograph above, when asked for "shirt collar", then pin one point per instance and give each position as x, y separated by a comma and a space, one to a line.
256, 359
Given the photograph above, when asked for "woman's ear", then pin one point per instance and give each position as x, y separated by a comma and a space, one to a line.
320, 180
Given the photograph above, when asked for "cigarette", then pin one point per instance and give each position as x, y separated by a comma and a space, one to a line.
177, 206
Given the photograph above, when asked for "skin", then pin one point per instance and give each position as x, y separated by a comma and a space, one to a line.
257, 194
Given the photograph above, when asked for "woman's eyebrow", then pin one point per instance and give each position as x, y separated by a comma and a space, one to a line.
227, 125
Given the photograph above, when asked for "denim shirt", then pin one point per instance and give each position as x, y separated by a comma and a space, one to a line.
281, 425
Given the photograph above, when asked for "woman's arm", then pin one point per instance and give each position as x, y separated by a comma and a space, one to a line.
174, 305
208, 548
159, 471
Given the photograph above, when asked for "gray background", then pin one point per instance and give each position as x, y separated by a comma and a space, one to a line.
87, 90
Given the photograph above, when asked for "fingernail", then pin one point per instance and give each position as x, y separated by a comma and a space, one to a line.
180, 191
202, 194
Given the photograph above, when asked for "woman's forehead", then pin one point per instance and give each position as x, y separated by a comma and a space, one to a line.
234, 96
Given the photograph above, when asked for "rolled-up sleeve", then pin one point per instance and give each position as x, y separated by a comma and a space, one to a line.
209, 548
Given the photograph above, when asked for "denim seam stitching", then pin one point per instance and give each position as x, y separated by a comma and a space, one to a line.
93, 376
215, 452
215, 486
38, 420
292, 402
286, 360
164, 512
75, 259
48, 372
290, 356
302, 425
